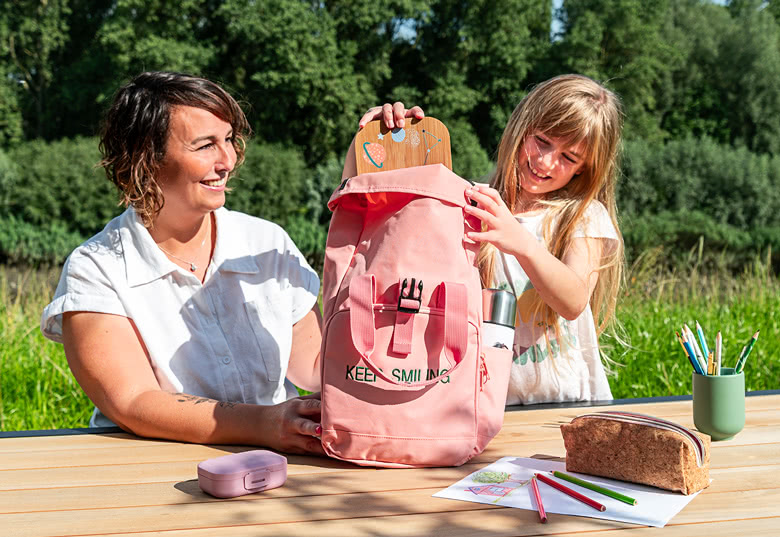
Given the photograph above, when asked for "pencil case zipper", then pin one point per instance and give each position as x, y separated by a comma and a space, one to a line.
652, 421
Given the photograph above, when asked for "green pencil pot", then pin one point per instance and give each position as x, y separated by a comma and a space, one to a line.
719, 403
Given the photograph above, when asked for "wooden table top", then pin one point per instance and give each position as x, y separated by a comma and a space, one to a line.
118, 484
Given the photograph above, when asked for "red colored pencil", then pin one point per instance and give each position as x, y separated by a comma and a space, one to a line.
538, 497
573, 493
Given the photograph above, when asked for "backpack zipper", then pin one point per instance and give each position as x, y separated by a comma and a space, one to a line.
652, 421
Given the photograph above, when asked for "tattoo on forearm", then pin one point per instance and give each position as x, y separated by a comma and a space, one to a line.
187, 398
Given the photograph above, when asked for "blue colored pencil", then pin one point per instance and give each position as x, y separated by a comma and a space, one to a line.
691, 339
694, 361
689, 353
700, 332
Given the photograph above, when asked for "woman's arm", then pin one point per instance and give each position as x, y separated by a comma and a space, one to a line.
109, 361
304, 367
565, 285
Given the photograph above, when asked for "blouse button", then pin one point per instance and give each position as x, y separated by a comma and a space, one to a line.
226, 360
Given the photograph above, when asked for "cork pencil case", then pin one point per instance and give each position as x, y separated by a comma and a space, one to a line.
639, 449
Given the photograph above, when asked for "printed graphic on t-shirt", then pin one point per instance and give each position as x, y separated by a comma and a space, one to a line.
530, 343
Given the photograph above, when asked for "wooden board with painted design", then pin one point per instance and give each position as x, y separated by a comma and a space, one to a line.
420, 142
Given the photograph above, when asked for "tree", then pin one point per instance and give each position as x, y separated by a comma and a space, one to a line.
469, 65
283, 57
34, 31
749, 57
625, 44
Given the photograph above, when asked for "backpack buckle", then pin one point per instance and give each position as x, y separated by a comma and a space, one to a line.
408, 303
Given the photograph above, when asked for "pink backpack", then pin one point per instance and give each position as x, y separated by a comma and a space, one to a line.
405, 380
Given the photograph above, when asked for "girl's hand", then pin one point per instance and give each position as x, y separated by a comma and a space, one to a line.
501, 229
392, 114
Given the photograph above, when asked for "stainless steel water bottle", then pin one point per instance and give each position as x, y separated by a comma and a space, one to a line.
499, 309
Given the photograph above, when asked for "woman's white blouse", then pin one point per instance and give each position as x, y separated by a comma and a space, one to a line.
228, 338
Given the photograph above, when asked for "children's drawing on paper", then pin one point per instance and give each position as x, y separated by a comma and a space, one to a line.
499, 484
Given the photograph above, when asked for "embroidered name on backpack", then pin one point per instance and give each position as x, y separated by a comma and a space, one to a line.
364, 374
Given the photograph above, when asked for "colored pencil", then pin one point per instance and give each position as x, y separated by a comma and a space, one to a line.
711, 363
692, 360
705, 349
595, 488
692, 357
538, 498
718, 352
739, 359
573, 493
749, 347
695, 346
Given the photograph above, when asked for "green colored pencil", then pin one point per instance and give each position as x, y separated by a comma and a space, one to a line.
743, 356
595, 488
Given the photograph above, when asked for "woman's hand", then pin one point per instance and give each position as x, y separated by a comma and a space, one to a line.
294, 425
500, 227
392, 114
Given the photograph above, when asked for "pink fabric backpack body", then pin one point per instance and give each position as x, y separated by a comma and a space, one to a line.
405, 382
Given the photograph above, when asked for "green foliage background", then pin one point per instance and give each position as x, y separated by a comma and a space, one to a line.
697, 78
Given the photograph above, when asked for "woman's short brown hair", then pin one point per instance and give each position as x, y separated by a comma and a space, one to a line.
135, 132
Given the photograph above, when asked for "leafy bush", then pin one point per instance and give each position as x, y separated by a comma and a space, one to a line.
33, 244
274, 183
674, 194
59, 182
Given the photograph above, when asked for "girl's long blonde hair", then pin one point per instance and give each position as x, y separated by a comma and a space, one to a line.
575, 109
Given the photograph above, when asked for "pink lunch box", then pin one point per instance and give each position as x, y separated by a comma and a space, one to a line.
242, 473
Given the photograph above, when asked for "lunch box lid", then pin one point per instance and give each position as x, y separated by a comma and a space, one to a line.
239, 464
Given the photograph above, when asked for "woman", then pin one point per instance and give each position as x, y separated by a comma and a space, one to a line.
182, 319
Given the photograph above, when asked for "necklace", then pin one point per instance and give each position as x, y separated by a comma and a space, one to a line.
193, 266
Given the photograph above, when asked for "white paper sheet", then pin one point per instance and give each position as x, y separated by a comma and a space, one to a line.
505, 482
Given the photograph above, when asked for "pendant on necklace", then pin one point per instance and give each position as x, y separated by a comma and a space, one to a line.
193, 268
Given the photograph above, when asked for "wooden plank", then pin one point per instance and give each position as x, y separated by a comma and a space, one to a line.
309, 484
673, 410
178, 462
494, 522
348, 507
126, 474
751, 434
74, 442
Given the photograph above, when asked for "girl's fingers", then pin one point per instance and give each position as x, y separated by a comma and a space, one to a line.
399, 112
387, 115
392, 114
415, 112
485, 202
483, 215
478, 236
371, 115
490, 192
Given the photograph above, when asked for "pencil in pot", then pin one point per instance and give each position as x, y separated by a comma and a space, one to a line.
689, 353
744, 354
573, 493
718, 352
538, 498
691, 339
595, 488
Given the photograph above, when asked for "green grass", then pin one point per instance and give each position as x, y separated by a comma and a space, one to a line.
657, 302
37, 390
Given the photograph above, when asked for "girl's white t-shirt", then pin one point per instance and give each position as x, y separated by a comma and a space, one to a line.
536, 375
228, 338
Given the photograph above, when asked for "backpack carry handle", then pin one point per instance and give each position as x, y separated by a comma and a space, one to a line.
362, 292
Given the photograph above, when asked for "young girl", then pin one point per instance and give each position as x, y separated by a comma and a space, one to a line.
550, 236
